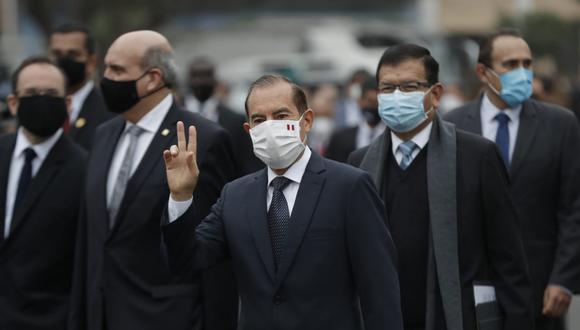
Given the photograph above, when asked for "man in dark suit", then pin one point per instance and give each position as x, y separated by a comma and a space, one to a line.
307, 235
41, 177
202, 84
447, 201
346, 140
74, 49
121, 276
539, 143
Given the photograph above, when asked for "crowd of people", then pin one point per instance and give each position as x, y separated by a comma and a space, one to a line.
390, 204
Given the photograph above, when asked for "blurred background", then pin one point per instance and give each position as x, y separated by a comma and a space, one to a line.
328, 46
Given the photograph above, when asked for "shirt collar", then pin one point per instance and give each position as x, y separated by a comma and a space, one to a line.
420, 138
296, 171
41, 149
153, 119
79, 97
489, 111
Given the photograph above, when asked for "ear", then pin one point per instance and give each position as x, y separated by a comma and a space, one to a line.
247, 127
12, 101
307, 120
156, 79
436, 93
481, 72
92, 63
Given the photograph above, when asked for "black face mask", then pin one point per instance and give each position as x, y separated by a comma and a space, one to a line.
371, 116
202, 92
74, 71
42, 115
121, 96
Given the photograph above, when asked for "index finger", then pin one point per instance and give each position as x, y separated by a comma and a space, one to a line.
192, 146
181, 144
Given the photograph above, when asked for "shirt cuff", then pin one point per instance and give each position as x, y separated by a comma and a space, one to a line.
176, 209
569, 292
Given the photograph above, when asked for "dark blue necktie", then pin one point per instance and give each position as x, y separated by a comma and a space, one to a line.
25, 177
502, 138
278, 218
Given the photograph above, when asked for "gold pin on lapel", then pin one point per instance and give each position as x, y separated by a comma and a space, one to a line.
80, 123
165, 132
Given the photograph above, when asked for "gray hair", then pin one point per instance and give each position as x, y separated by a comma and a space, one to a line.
157, 57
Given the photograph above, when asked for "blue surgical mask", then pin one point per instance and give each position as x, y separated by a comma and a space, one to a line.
402, 111
516, 86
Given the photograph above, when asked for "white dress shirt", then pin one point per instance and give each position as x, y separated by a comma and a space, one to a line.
489, 125
295, 173
366, 134
78, 99
420, 140
150, 124
42, 150
208, 109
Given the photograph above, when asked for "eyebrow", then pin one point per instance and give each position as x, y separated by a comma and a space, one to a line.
276, 112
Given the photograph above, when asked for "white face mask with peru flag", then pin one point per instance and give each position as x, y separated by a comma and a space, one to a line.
277, 142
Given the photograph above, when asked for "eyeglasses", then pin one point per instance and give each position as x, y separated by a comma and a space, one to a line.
411, 86
36, 92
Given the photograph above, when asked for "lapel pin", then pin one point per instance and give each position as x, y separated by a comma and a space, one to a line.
165, 132
80, 123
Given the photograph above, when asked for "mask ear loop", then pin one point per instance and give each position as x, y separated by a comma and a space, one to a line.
153, 91
490, 85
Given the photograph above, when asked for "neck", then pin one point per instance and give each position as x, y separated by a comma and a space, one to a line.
406, 136
33, 139
495, 99
281, 171
145, 106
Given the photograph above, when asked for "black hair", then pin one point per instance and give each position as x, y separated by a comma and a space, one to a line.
397, 54
90, 43
486, 46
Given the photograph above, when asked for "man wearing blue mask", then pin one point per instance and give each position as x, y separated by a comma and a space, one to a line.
448, 205
539, 144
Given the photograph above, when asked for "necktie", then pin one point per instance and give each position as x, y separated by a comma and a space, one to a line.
407, 148
133, 133
502, 138
25, 177
278, 218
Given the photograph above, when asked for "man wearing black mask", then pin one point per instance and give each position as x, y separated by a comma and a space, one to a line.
41, 175
73, 47
202, 84
347, 140
122, 280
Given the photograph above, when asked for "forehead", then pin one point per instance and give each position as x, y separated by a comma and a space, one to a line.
509, 47
124, 56
68, 40
406, 71
41, 76
267, 99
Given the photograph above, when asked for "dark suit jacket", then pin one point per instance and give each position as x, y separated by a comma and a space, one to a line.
342, 143
93, 113
36, 260
233, 122
545, 187
339, 252
486, 236
122, 275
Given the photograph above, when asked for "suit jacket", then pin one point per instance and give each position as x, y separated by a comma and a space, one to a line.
36, 260
338, 270
93, 113
121, 275
474, 228
545, 187
233, 122
342, 143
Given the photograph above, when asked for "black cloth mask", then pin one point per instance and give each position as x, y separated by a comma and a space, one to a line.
371, 116
120, 96
75, 71
202, 92
42, 115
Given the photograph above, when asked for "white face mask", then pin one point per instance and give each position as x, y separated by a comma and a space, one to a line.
277, 142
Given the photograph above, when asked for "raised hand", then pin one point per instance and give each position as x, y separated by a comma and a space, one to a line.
181, 164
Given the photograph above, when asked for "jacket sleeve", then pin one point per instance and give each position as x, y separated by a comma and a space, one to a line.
373, 258
509, 271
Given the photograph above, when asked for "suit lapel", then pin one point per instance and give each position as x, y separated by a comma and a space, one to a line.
525, 137
48, 170
473, 118
153, 156
6, 151
83, 116
306, 201
256, 215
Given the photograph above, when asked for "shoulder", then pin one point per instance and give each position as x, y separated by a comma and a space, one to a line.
470, 140
7, 139
550, 111
343, 172
356, 157
462, 111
